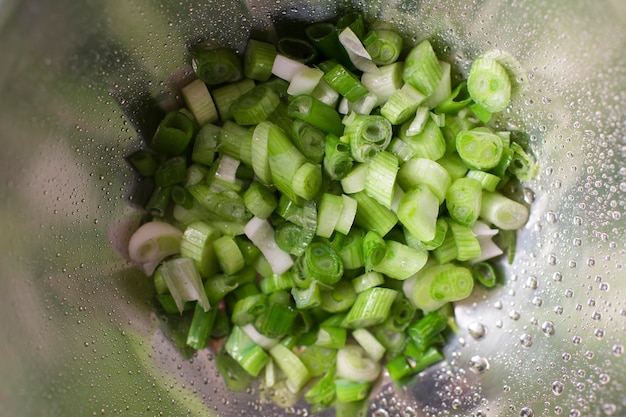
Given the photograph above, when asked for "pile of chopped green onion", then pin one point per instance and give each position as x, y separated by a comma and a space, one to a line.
319, 204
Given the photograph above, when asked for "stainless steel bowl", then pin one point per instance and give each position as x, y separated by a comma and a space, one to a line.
78, 81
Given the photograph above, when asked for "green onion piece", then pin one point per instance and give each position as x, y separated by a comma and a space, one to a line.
306, 218
317, 113
235, 377
455, 166
305, 81
371, 307
319, 360
199, 102
259, 200
347, 215
321, 263
453, 284
456, 100
393, 341
418, 211
276, 282
286, 68
354, 365
356, 51
442, 90
248, 354
258, 60
447, 251
236, 142
216, 66
227, 205
489, 84
159, 201
381, 177
485, 274
331, 337
345, 83
306, 298
401, 150
349, 391
430, 357
367, 280
351, 250
340, 298
463, 200
480, 112
261, 233
417, 125
307, 180
325, 93
144, 161
426, 329
384, 82
401, 261
151, 243
329, 211
402, 104
429, 143
184, 282
206, 144
354, 21
488, 181
218, 286
324, 36
383, 45
354, 181
284, 161
522, 165
228, 255
421, 69
309, 140
277, 320
261, 136
419, 292
297, 374
368, 135
169, 304
441, 228
225, 96
288, 236
297, 49
402, 314
479, 149
197, 244
200, 328
369, 343
173, 171
504, 213
425, 171
454, 125
196, 173
322, 394
337, 158
248, 308
351, 409
173, 134
467, 244
374, 249
255, 105
398, 368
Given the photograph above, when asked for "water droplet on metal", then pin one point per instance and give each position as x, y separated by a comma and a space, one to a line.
478, 364
548, 328
617, 350
526, 412
531, 283
557, 387
604, 379
609, 408
477, 330
526, 340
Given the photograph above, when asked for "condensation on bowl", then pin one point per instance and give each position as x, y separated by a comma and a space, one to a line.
79, 84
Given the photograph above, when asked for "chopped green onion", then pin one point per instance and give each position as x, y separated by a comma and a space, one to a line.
173, 171
371, 307
371, 215
235, 377
331, 337
369, 343
349, 391
199, 102
479, 149
322, 394
425, 171
285, 67
259, 200
347, 215
368, 135
228, 254
354, 365
309, 140
248, 308
418, 211
384, 82
173, 134
321, 263
381, 177
277, 320
488, 181
504, 213
402, 104
225, 96
467, 244
297, 374
297, 49
340, 298
153, 242
216, 66
345, 83
317, 113
489, 85
159, 201
184, 282
421, 69
401, 261
356, 51
324, 37
351, 251
261, 233
484, 273
319, 360
248, 354
463, 200
522, 165
367, 280
426, 329
144, 161
206, 144
429, 143
383, 45
354, 21
255, 105
258, 60
304, 81
200, 328
197, 244
337, 158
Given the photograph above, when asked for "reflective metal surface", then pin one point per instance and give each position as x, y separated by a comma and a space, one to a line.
79, 81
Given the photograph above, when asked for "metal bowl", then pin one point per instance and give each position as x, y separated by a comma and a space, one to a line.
79, 82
